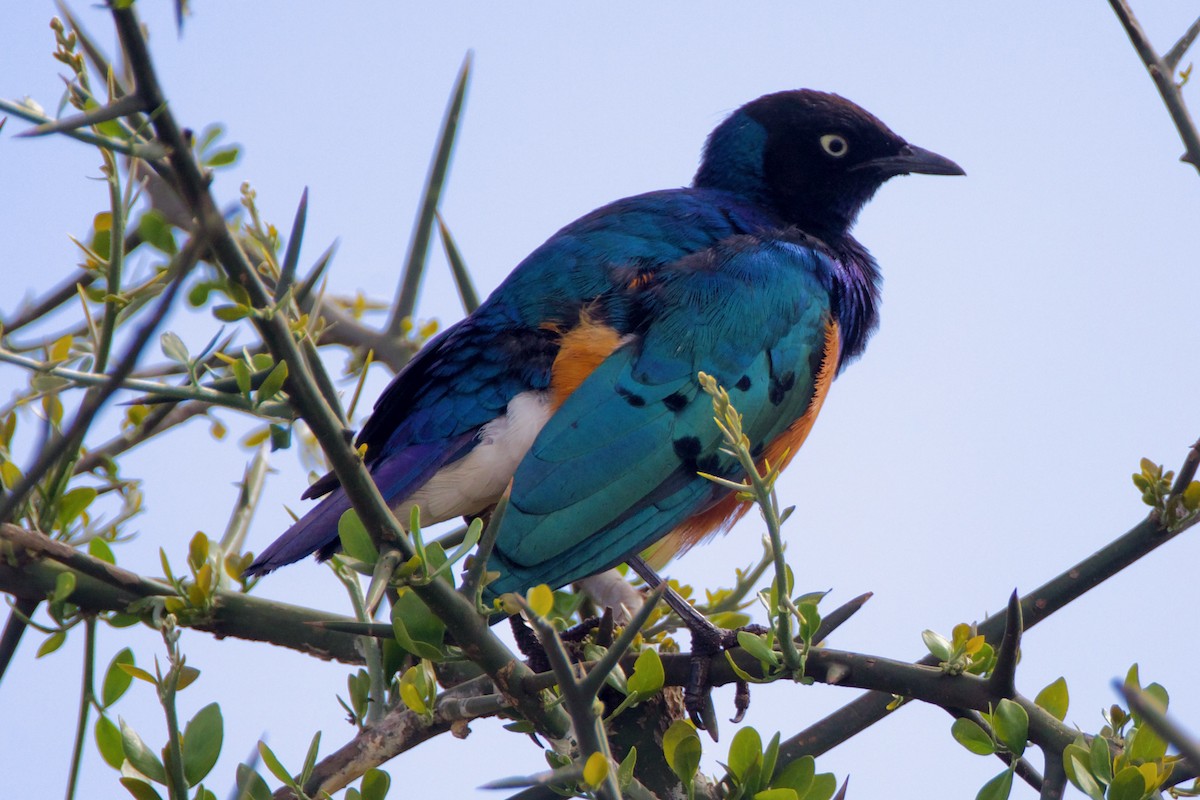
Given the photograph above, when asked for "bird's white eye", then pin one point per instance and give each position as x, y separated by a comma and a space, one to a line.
834, 145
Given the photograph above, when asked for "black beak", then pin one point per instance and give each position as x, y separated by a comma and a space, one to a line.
912, 159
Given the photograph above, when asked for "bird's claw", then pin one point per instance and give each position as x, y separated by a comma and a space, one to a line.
697, 695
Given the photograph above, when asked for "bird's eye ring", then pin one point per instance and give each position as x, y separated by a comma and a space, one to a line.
835, 145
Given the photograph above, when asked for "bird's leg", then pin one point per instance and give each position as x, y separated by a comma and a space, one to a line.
707, 641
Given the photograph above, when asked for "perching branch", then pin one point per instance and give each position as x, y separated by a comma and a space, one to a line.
1070, 585
30, 564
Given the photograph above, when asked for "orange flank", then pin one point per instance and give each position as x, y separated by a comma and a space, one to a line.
778, 454
580, 351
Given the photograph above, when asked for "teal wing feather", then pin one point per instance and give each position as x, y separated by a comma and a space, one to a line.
614, 469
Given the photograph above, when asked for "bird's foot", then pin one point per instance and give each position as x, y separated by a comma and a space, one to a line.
709, 641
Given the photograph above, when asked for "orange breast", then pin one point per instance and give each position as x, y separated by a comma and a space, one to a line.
722, 515
580, 351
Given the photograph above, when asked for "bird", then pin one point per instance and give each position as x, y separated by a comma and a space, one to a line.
573, 389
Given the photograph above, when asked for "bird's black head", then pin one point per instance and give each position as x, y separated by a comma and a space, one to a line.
814, 157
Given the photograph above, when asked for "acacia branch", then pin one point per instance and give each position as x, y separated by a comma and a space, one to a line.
465, 624
860, 714
1162, 72
30, 564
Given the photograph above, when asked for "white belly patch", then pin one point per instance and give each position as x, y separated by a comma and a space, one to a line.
478, 479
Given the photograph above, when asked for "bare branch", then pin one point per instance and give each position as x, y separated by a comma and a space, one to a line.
1163, 75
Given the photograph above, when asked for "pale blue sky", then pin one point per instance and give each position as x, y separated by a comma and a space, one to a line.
1038, 328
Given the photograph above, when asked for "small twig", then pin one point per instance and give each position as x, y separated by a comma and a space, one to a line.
473, 581
599, 673
1163, 75
249, 492
86, 698
579, 701
1175, 54
129, 104
70, 441
1187, 472
160, 419
62, 293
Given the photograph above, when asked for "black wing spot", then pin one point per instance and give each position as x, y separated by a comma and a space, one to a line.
635, 400
744, 383
711, 463
675, 402
687, 450
780, 386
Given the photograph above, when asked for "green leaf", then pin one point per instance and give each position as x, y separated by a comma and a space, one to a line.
1129, 784
625, 770
375, 785
777, 794
140, 789
231, 313
770, 756
540, 599
108, 742
1012, 725
1080, 776
198, 551
937, 644
745, 751
417, 629
241, 375
998, 788
310, 758
250, 785
173, 347
971, 736
74, 503
682, 748
1054, 699
187, 676
797, 775
116, 680
757, 646
1146, 745
273, 764
1100, 760
648, 675
154, 229
1159, 694
140, 756
272, 383
824, 785
138, 673
595, 769
202, 743
223, 157
356, 542
98, 548
64, 586
52, 643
